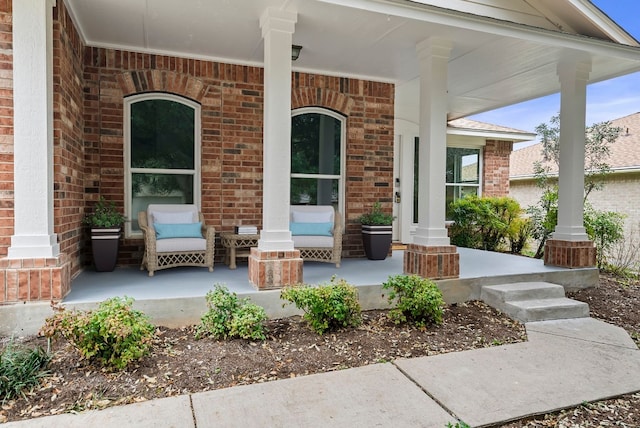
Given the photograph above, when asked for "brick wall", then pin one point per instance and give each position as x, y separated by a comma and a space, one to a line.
6, 126
495, 180
68, 150
231, 98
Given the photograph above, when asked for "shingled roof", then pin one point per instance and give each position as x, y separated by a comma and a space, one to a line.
625, 151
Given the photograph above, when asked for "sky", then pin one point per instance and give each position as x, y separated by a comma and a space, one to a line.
607, 100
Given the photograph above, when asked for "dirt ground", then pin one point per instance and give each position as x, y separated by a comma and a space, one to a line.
179, 364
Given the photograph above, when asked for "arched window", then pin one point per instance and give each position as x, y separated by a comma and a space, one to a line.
317, 157
162, 157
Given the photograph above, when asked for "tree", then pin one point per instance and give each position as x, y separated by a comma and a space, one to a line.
598, 138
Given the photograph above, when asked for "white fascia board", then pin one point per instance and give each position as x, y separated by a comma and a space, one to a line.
614, 171
412, 10
515, 137
602, 20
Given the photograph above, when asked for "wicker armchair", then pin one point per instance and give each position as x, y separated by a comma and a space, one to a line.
314, 246
179, 240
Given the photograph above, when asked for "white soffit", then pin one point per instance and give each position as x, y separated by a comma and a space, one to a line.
494, 63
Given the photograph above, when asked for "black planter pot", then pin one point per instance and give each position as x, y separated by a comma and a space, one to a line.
104, 244
376, 241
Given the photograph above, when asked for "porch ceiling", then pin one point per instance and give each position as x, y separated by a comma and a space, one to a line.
494, 62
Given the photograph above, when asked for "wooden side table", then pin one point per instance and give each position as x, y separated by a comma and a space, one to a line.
237, 245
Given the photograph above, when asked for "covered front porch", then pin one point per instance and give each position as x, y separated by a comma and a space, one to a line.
175, 297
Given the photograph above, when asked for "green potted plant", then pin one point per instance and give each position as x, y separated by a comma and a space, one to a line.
105, 222
376, 232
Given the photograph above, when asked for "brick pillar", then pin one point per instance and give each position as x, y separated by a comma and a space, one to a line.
31, 280
495, 180
274, 269
439, 262
570, 254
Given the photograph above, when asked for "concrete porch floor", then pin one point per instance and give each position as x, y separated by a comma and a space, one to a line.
175, 297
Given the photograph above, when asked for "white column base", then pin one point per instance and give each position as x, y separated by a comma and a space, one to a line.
434, 237
34, 247
275, 240
570, 233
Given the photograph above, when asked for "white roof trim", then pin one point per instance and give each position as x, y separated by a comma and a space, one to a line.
510, 136
602, 20
412, 10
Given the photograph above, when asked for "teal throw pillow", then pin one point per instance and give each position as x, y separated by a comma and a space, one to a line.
178, 230
312, 229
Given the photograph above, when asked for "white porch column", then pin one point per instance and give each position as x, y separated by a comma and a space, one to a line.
430, 254
569, 246
277, 29
33, 130
573, 100
275, 262
434, 57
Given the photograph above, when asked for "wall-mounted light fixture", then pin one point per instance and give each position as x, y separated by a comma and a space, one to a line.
295, 52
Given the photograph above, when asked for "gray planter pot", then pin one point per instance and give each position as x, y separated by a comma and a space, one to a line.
376, 241
104, 244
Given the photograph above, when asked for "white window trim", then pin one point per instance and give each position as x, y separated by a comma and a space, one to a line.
343, 144
480, 167
128, 101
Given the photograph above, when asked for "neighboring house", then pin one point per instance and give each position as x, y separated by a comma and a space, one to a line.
621, 191
202, 102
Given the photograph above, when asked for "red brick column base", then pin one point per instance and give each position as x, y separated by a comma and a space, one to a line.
432, 262
31, 280
274, 269
570, 254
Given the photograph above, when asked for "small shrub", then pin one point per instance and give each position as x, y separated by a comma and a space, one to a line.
482, 222
417, 300
519, 233
604, 228
623, 258
113, 335
230, 317
21, 368
327, 306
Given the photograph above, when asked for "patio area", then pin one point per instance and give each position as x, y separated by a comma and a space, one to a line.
174, 297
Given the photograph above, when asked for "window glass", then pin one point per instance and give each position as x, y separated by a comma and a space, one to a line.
462, 175
316, 163
162, 154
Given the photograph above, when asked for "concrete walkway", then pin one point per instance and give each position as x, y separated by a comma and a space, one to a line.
564, 364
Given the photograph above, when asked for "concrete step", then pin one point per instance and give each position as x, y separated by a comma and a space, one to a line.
546, 309
520, 291
533, 301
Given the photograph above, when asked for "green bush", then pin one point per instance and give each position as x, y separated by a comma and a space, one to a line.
21, 368
327, 306
113, 335
519, 233
417, 300
482, 223
230, 317
604, 228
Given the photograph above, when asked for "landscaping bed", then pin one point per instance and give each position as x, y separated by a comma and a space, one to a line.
180, 364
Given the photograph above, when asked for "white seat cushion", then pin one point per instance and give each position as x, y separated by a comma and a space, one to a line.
311, 213
172, 213
180, 244
302, 241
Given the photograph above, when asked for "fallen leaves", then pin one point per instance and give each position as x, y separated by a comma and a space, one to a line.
179, 364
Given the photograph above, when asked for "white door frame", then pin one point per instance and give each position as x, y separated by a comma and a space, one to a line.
405, 135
